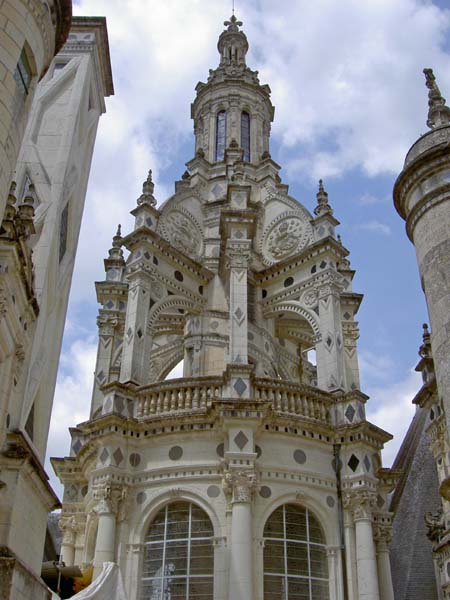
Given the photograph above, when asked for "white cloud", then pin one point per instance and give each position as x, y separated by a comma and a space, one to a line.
390, 407
72, 398
374, 226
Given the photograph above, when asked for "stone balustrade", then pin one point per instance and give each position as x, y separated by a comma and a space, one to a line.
196, 394
178, 395
294, 399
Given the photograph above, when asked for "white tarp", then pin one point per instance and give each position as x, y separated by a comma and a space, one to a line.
107, 586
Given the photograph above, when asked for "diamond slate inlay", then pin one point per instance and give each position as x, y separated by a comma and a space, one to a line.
353, 462
367, 463
104, 455
240, 440
240, 386
76, 446
118, 456
350, 413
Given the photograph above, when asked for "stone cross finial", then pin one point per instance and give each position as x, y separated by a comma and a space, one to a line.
322, 201
438, 112
233, 24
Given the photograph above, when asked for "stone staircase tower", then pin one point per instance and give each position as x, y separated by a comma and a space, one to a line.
256, 474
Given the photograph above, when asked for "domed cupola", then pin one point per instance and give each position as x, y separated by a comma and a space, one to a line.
232, 44
232, 109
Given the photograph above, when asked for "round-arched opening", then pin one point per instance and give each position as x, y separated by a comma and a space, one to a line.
178, 554
295, 559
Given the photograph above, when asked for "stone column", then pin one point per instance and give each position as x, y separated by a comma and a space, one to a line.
383, 535
241, 485
69, 529
350, 555
366, 562
106, 530
135, 334
330, 350
335, 579
238, 254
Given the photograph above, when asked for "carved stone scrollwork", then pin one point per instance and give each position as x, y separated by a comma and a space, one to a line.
360, 503
111, 498
241, 485
69, 527
382, 534
238, 254
435, 525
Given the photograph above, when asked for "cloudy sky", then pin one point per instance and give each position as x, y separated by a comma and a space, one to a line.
347, 84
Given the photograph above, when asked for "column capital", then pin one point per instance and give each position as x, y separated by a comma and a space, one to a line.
240, 484
111, 499
361, 503
382, 534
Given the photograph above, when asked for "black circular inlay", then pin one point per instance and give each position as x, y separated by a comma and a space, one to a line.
300, 457
175, 453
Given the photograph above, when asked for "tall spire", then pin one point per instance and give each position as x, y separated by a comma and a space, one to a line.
438, 112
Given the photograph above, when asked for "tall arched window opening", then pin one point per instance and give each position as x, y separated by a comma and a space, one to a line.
221, 134
245, 135
178, 555
295, 560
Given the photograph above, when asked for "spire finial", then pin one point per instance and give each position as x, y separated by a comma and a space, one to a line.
147, 191
322, 201
438, 111
425, 348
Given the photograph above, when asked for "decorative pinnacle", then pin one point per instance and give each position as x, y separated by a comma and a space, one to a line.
148, 188
233, 24
438, 111
117, 239
425, 348
322, 201
116, 252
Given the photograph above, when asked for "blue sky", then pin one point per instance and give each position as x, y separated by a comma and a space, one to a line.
350, 99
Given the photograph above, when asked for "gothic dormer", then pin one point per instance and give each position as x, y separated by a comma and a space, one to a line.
232, 108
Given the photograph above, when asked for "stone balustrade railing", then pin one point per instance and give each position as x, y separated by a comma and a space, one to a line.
178, 395
196, 394
294, 399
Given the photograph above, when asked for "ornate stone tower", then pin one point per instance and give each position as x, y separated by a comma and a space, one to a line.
422, 198
256, 474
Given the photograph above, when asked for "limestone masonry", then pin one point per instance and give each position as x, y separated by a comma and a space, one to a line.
256, 475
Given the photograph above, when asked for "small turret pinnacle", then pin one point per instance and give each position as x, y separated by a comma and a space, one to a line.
117, 239
232, 44
148, 188
438, 112
116, 252
322, 201
425, 348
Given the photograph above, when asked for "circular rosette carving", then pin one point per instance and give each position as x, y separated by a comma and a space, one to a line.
181, 229
286, 235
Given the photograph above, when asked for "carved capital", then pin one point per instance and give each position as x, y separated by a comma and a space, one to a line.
241, 485
382, 533
360, 503
111, 499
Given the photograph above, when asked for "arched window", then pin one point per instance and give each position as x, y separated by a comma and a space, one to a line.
221, 134
245, 135
295, 561
178, 555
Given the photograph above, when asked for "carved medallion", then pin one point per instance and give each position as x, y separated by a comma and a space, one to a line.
180, 229
285, 236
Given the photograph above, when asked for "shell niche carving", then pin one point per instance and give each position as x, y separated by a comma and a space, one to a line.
181, 230
286, 235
